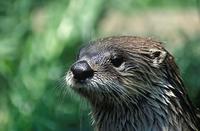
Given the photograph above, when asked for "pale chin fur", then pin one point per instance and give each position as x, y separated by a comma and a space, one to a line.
68, 79
71, 82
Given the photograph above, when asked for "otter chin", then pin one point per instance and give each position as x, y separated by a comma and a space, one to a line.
132, 84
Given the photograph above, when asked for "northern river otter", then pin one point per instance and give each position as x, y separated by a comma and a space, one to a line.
132, 84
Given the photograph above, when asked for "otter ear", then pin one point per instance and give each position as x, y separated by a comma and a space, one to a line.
158, 56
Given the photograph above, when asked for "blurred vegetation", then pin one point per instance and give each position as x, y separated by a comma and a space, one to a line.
189, 62
38, 41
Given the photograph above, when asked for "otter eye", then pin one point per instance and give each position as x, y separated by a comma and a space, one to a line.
117, 61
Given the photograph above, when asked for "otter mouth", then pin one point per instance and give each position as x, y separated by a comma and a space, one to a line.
74, 83
80, 72
84, 87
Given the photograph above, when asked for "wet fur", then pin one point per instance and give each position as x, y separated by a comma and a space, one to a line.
145, 93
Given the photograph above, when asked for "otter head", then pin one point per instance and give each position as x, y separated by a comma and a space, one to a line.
114, 70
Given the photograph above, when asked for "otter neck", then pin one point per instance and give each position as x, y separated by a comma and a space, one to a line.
153, 112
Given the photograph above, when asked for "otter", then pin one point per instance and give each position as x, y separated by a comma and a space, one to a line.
132, 84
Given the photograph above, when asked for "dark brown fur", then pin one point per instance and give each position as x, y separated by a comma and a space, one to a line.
144, 93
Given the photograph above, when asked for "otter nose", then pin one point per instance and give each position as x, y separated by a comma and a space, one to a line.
81, 71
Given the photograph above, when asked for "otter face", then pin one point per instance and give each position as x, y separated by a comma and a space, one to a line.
109, 69
97, 71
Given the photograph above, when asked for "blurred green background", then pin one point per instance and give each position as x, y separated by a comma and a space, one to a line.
39, 40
